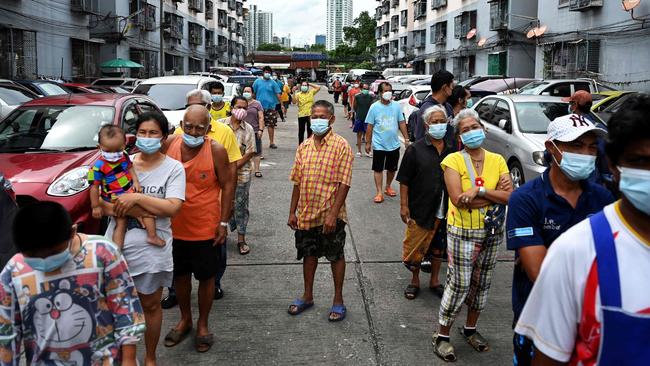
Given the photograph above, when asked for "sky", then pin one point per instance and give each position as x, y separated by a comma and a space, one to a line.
303, 19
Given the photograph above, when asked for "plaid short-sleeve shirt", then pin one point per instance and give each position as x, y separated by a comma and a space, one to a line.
318, 173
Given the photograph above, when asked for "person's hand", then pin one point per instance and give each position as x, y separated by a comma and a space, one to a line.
220, 235
97, 212
137, 188
330, 224
124, 203
367, 147
505, 183
405, 214
259, 134
293, 221
467, 197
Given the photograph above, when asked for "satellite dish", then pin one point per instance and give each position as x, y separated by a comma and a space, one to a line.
630, 4
482, 41
471, 33
541, 30
531, 33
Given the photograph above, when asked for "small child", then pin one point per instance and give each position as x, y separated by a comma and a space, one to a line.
112, 175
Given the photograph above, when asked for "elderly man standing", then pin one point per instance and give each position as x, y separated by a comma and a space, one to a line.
224, 135
200, 227
322, 173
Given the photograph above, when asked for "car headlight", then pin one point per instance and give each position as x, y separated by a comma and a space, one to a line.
70, 183
538, 158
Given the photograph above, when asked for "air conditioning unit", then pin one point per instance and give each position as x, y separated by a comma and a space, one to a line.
582, 5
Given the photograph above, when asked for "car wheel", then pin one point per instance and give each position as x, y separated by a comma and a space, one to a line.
517, 174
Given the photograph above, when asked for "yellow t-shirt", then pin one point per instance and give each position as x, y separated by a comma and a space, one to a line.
221, 113
284, 97
221, 133
305, 101
494, 167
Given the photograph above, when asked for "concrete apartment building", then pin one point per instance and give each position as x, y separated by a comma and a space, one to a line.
70, 40
339, 15
265, 27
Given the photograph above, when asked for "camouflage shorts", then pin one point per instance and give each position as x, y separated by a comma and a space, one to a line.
313, 242
270, 118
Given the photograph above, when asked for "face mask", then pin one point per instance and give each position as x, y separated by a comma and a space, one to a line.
356, 85
365, 91
112, 156
320, 126
635, 185
473, 139
217, 98
387, 95
50, 263
576, 166
247, 96
239, 113
304, 89
148, 145
192, 141
275, 77
470, 103
438, 130
267, 75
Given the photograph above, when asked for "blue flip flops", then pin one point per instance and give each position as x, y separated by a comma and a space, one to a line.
300, 305
338, 309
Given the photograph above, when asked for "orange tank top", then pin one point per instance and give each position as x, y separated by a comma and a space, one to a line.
201, 212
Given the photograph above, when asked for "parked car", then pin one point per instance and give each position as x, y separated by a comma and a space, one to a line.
8, 208
12, 95
370, 77
410, 97
80, 88
607, 113
243, 80
125, 83
44, 88
169, 93
390, 72
231, 90
497, 86
468, 83
516, 128
604, 99
563, 87
47, 146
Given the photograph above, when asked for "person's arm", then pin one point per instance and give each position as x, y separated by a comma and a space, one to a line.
94, 201
531, 260
332, 215
404, 211
491, 195
316, 87
11, 334
136, 182
405, 132
250, 148
369, 137
168, 141
293, 219
224, 171
524, 232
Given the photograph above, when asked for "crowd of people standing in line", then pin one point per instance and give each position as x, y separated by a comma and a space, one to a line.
72, 297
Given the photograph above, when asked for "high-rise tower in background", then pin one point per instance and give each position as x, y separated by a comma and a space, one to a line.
265, 26
339, 15
260, 28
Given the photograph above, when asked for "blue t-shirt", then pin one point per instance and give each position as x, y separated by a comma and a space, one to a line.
537, 216
385, 120
267, 92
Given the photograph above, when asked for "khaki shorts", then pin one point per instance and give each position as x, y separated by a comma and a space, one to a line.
416, 244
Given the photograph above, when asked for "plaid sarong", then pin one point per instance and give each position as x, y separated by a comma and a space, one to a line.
472, 258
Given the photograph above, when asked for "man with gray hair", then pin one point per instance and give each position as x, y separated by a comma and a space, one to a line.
423, 198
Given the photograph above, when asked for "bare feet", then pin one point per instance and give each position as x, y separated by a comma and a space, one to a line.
155, 240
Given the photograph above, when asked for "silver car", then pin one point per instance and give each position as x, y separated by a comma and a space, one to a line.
516, 128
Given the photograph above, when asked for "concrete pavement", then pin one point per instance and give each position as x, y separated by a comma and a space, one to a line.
251, 324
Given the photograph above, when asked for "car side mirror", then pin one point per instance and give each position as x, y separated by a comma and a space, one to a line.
505, 125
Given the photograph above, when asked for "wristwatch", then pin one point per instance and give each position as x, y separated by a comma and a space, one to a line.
223, 223
482, 191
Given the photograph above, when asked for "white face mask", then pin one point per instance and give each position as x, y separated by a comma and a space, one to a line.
387, 95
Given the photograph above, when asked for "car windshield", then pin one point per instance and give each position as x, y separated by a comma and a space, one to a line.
169, 97
534, 88
53, 128
52, 89
14, 96
534, 117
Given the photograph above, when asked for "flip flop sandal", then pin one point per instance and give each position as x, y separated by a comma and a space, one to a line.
390, 192
203, 343
379, 198
411, 292
243, 248
300, 305
175, 337
476, 340
338, 309
443, 349
438, 290
258, 174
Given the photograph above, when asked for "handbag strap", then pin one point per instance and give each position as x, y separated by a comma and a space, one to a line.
470, 172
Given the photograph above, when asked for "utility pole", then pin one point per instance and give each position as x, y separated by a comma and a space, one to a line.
162, 38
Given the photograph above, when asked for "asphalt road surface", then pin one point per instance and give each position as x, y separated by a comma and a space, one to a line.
251, 324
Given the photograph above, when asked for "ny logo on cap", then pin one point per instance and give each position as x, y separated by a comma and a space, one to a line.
577, 119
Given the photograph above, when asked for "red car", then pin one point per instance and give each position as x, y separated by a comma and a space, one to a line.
47, 146
80, 88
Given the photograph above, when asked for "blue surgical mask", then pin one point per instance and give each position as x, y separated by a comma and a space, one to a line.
50, 263
387, 95
438, 130
304, 89
469, 103
635, 185
217, 98
473, 139
267, 75
192, 141
247, 96
576, 166
148, 145
319, 126
112, 157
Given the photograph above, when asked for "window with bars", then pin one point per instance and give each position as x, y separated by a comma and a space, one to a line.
386, 28
394, 47
222, 18
174, 64
18, 54
145, 14
498, 14
419, 38
196, 5
404, 18
464, 67
173, 26
146, 58
85, 60
209, 9
394, 23
438, 4
439, 33
463, 23
572, 59
195, 33
420, 9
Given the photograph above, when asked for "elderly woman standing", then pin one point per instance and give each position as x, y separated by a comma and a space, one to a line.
478, 183
163, 192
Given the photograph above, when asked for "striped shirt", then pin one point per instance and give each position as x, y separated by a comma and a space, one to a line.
318, 172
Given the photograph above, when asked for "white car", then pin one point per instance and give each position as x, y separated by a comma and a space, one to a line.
230, 91
410, 97
169, 93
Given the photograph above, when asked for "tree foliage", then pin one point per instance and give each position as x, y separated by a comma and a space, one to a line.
360, 44
269, 47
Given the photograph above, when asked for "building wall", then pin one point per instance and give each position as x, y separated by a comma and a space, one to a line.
339, 15
624, 49
265, 27
320, 39
253, 31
